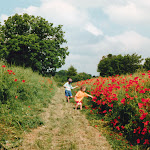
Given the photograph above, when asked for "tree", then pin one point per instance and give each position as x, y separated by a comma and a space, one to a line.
147, 64
1, 37
113, 65
61, 76
33, 42
71, 71
104, 67
132, 63
84, 76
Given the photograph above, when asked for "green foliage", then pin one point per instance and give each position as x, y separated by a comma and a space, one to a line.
84, 76
81, 76
71, 71
113, 65
33, 42
21, 100
62, 76
147, 64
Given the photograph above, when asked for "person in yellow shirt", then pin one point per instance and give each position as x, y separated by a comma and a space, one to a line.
80, 95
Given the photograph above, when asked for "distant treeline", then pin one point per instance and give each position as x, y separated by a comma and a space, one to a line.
63, 75
117, 64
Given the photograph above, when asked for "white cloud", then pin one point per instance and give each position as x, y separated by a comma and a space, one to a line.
132, 12
120, 11
32, 10
2, 18
131, 40
57, 11
128, 42
92, 29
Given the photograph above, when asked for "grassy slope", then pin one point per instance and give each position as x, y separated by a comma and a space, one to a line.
23, 95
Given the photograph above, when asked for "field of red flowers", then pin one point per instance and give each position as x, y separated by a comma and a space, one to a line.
123, 101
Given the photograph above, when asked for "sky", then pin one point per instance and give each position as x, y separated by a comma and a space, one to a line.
93, 28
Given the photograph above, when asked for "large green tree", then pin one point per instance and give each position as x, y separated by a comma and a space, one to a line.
33, 42
117, 64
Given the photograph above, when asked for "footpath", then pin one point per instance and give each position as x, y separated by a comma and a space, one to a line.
64, 129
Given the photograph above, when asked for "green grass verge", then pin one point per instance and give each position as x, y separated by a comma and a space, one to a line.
23, 95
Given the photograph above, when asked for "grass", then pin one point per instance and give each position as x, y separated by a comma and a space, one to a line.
22, 100
65, 129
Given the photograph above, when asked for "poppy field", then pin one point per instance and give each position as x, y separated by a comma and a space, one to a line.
124, 103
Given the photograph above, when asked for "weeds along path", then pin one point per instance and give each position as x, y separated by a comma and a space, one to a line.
65, 129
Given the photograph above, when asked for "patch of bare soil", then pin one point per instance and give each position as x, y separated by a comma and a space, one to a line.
65, 129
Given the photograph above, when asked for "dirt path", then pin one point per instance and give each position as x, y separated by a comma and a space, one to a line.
65, 129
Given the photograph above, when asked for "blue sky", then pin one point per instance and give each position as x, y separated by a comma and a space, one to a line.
92, 28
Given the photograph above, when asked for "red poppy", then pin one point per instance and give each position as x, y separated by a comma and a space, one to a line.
123, 101
104, 111
143, 116
23, 80
134, 130
3, 66
138, 141
117, 128
142, 91
146, 123
120, 134
146, 141
140, 105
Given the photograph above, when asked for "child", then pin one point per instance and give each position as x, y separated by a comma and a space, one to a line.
80, 95
68, 88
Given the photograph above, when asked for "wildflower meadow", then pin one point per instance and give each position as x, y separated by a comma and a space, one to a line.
124, 103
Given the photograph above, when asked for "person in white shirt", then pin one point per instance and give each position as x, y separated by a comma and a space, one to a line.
68, 87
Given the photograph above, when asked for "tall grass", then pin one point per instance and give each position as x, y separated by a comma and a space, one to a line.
23, 94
